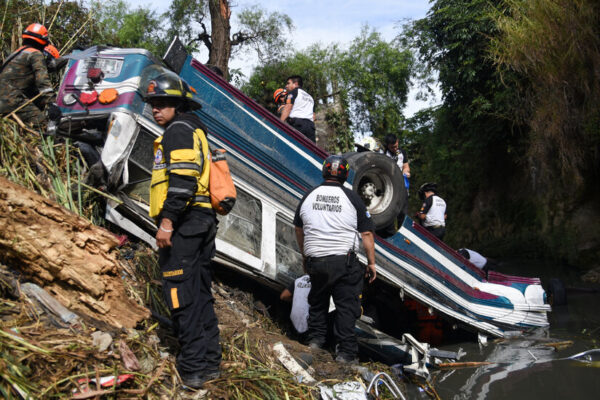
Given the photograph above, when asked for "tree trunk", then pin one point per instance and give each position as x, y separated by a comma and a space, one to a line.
70, 257
220, 51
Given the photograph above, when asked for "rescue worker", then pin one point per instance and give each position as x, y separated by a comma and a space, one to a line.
392, 150
279, 96
483, 263
299, 106
297, 292
328, 221
433, 211
24, 75
180, 204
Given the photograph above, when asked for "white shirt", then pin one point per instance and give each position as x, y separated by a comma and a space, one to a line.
299, 313
476, 259
303, 104
331, 217
435, 213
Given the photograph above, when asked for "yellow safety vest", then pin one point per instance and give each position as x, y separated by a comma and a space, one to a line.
189, 162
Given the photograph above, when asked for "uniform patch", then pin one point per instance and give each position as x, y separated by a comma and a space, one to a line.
368, 215
158, 157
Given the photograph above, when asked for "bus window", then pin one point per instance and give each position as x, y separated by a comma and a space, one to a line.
242, 227
288, 257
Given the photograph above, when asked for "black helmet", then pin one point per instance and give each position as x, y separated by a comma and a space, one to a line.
336, 167
427, 187
170, 85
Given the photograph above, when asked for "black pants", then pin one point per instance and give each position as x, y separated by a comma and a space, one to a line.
342, 280
187, 279
438, 232
306, 126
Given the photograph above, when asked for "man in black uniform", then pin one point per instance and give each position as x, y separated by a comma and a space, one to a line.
328, 221
180, 203
298, 110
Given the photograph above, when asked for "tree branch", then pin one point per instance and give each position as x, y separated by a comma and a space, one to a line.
203, 36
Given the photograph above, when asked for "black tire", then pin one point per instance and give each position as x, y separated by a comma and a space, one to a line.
379, 182
557, 292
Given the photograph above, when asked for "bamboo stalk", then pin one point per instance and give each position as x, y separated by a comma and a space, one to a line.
24, 104
108, 196
55, 15
76, 34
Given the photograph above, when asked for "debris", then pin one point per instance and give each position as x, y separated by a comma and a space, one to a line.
466, 364
290, 363
589, 356
384, 378
559, 345
107, 381
130, 361
50, 304
351, 390
482, 339
101, 340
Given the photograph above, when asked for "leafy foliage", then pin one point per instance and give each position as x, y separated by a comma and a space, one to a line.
376, 74
557, 45
120, 26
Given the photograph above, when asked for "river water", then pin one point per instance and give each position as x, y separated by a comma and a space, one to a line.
526, 369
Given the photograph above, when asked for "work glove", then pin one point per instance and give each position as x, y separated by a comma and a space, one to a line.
53, 112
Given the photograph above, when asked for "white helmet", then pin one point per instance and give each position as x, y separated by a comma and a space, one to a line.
370, 143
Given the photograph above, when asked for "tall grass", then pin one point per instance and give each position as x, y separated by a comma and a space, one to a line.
52, 167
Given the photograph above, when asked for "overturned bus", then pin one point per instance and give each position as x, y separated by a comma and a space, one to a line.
273, 166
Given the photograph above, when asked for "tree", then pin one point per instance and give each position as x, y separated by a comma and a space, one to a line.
260, 31
120, 26
376, 75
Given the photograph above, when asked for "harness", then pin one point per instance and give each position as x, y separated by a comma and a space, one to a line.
15, 54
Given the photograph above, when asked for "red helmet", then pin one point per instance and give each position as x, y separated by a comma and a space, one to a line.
52, 51
336, 167
37, 32
279, 94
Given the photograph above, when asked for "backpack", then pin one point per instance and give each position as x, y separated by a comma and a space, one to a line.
221, 187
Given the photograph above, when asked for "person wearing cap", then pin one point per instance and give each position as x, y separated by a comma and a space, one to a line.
24, 81
329, 220
433, 211
298, 110
187, 226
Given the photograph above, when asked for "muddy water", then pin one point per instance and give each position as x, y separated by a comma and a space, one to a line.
525, 368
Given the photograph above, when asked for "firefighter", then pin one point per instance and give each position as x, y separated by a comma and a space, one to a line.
187, 225
24, 75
